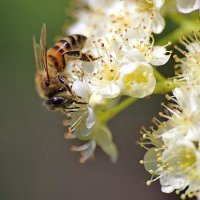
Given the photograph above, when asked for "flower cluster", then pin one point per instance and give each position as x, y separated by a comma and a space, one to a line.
119, 59
120, 38
173, 153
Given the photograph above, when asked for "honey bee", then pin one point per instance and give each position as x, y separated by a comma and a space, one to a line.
52, 83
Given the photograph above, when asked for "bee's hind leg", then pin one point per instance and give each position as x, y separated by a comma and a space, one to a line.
87, 57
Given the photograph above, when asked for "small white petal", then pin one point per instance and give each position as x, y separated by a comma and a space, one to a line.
167, 189
96, 100
88, 67
137, 35
159, 56
135, 55
159, 3
187, 6
81, 90
158, 23
111, 90
90, 121
128, 68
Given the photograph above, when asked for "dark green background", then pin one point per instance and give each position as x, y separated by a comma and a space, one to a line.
35, 160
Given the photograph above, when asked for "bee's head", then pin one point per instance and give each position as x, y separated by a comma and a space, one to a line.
55, 102
59, 100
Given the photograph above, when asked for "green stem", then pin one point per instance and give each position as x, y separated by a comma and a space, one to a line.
158, 75
165, 86
183, 20
105, 116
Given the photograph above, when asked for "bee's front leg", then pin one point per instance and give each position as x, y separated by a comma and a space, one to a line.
69, 89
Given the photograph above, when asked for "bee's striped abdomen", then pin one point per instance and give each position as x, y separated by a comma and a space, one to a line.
55, 58
72, 42
55, 54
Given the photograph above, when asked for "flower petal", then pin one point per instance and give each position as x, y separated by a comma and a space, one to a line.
105, 89
159, 56
81, 90
91, 119
159, 3
158, 23
167, 189
104, 139
187, 6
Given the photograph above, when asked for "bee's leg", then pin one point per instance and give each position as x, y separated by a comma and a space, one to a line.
73, 54
62, 80
74, 97
81, 56
78, 102
73, 109
87, 57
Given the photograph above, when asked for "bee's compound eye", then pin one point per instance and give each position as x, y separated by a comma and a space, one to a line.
56, 101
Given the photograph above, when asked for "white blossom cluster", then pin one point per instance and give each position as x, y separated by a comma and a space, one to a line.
120, 45
174, 152
120, 37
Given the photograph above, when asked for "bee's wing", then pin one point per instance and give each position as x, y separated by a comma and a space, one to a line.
43, 46
37, 54
43, 42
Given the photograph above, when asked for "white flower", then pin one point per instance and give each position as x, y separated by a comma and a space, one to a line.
185, 119
124, 65
99, 135
108, 17
187, 6
176, 164
82, 118
137, 79
103, 81
148, 14
82, 91
173, 154
182, 168
121, 34
82, 124
140, 47
188, 66
89, 24
102, 75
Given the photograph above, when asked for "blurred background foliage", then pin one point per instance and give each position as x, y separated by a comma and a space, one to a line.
36, 163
